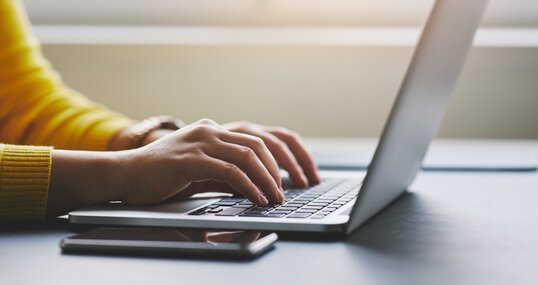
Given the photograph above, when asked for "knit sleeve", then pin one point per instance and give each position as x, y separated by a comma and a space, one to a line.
36, 107
24, 182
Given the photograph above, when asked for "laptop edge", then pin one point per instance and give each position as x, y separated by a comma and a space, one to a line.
414, 119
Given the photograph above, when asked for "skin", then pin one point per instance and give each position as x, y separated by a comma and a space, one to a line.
239, 157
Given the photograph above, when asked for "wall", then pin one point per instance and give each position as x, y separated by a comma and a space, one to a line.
343, 88
321, 91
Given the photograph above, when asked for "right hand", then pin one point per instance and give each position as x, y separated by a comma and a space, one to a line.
202, 151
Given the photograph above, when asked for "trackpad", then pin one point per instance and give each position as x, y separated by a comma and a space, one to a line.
176, 207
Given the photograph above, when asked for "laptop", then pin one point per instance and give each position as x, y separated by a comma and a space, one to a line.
340, 205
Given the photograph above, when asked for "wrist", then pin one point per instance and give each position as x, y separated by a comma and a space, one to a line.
155, 135
82, 178
144, 132
124, 163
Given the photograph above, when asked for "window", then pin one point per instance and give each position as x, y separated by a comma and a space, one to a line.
263, 12
260, 22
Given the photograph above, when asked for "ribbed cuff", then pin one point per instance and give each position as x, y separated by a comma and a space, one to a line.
24, 181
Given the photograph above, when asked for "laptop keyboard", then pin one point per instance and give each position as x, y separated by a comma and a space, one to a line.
315, 202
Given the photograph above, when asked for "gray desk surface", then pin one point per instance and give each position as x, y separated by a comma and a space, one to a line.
443, 154
451, 228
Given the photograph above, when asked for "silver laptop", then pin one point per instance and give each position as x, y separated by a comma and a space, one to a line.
341, 205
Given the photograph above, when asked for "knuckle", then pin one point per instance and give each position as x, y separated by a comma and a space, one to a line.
281, 146
206, 121
203, 131
257, 142
197, 150
188, 157
292, 138
247, 152
230, 169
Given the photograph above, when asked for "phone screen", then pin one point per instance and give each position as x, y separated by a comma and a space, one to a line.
171, 235
171, 241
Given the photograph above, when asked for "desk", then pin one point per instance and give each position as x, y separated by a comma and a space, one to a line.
443, 154
450, 228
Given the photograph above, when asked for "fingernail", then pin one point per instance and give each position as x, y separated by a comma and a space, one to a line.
281, 195
263, 200
305, 180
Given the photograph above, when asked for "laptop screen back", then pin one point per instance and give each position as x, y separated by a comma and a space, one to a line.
419, 107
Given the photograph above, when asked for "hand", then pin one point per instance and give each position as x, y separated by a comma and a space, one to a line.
203, 151
197, 158
287, 147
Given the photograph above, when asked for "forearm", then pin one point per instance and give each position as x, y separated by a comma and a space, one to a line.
121, 140
81, 178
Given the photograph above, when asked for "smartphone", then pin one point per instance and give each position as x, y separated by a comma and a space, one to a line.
156, 241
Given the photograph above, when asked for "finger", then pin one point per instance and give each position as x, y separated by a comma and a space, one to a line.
285, 157
248, 161
209, 168
298, 148
257, 144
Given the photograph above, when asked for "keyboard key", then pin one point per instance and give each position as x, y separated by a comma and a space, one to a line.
262, 209
231, 212
233, 200
198, 212
324, 200
299, 215
306, 211
242, 206
317, 204
311, 207
286, 208
216, 210
281, 211
252, 214
275, 215
293, 205
224, 203
316, 216
301, 201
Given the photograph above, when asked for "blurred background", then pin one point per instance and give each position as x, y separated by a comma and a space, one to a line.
323, 68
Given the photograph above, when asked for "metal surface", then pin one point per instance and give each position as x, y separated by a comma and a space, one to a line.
164, 216
421, 102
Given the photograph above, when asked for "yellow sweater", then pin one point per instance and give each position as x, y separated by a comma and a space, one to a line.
36, 108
